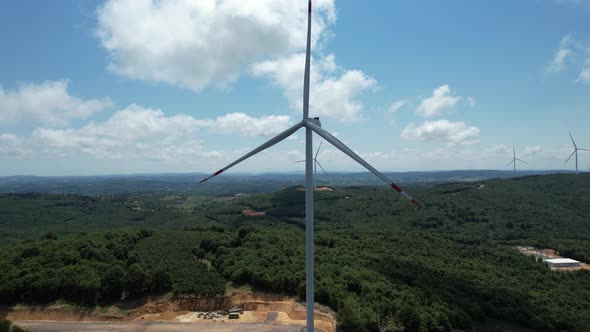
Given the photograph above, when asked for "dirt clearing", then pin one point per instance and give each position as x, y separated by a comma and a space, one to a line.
262, 312
550, 254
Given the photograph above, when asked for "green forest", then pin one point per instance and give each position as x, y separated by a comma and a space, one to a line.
381, 263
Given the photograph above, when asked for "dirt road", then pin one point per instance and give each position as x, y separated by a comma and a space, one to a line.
49, 326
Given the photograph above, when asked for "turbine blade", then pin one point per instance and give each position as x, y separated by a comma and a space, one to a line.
570, 157
511, 161
573, 140
318, 151
261, 148
321, 167
521, 160
307, 65
339, 145
300, 161
584, 149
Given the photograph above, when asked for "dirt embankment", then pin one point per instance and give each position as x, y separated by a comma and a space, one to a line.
25, 313
258, 308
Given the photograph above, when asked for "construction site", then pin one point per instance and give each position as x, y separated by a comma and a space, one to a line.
552, 259
240, 311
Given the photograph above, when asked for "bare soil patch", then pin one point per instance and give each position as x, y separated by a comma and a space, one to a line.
318, 189
252, 213
259, 308
324, 189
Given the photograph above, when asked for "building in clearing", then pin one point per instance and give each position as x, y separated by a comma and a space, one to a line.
562, 262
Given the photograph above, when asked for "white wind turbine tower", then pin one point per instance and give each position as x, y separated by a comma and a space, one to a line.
316, 163
574, 153
514, 160
312, 125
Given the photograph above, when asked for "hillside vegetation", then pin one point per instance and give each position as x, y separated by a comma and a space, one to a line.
382, 264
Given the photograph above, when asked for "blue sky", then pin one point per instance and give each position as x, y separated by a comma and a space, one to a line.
93, 87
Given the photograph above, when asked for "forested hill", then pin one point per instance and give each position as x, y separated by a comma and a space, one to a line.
230, 183
382, 264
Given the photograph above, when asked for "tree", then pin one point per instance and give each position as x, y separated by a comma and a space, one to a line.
199, 253
5, 325
409, 318
136, 280
161, 280
49, 236
113, 282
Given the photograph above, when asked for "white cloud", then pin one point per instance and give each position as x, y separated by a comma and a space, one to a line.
333, 93
48, 103
584, 76
532, 150
454, 133
500, 149
245, 125
396, 105
573, 53
13, 146
440, 102
563, 53
136, 130
196, 43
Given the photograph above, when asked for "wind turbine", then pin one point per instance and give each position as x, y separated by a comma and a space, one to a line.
315, 165
514, 160
574, 153
312, 125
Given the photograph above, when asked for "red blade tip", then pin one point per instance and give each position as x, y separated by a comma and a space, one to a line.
398, 189
214, 174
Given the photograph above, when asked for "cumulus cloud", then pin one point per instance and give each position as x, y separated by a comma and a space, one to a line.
453, 133
564, 52
333, 92
136, 129
48, 103
440, 102
196, 43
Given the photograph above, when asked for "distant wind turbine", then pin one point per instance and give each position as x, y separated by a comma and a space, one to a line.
316, 163
576, 148
514, 160
312, 125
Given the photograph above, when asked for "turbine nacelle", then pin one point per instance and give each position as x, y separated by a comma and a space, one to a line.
315, 121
